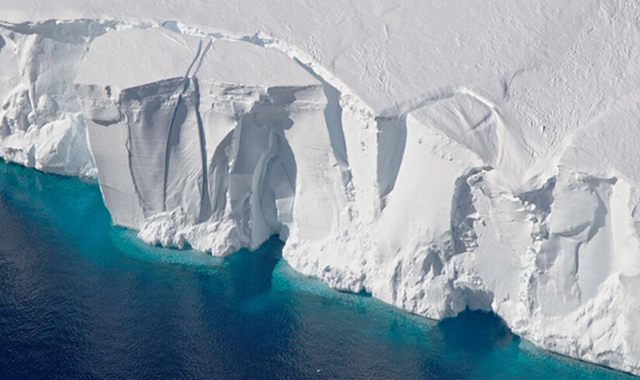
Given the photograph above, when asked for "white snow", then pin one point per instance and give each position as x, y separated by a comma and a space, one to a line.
438, 155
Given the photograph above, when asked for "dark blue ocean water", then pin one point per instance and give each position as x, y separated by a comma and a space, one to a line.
80, 299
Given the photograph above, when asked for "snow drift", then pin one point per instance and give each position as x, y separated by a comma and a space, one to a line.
491, 165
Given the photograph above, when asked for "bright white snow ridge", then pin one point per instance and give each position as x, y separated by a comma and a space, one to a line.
438, 155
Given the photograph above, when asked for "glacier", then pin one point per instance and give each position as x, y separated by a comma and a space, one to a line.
438, 156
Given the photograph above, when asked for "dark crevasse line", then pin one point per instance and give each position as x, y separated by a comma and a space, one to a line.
167, 157
201, 58
193, 62
178, 118
205, 204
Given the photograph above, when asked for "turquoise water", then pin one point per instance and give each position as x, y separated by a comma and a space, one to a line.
80, 299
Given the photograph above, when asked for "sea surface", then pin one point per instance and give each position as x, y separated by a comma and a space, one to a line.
80, 299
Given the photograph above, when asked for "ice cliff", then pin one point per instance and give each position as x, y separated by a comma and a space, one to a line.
478, 155
210, 143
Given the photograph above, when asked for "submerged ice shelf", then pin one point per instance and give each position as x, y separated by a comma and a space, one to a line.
511, 187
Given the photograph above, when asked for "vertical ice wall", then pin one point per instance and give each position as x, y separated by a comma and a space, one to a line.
213, 140
422, 208
432, 206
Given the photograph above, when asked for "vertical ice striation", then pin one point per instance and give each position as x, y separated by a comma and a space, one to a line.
214, 140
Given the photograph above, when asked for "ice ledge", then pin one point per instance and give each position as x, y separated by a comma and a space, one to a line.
425, 207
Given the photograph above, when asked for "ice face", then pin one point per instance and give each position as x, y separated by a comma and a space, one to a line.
206, 141
41, 124
478, 170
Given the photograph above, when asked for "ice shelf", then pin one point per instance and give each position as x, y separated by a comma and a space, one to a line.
438, 156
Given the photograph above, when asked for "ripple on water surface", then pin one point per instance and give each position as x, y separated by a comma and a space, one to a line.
80, 299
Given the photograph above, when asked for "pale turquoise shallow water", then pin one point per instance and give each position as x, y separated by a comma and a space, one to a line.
80, 299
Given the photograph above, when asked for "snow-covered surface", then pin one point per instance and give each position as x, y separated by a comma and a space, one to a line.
438, 155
